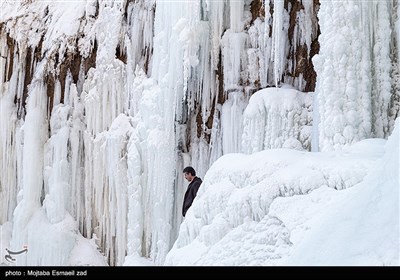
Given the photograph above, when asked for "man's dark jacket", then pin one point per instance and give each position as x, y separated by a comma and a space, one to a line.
190, 194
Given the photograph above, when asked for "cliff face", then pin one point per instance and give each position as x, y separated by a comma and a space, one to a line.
75, 51
143, 88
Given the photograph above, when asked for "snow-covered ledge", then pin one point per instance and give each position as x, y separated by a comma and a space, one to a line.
277, 118
264, 208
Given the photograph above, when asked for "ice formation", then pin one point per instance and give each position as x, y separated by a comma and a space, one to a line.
102, 104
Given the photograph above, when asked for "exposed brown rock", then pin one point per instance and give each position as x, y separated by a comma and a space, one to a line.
199, 122
271, 12
50, 82
210, 121
28, 66
220, 75
121, 55
309, 74
72, 63
257, 10
303, 61
148, 53
28, 75
220, 98
296, 7
11, 45
91, 60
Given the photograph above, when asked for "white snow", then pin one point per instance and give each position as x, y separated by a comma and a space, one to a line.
277, 117
86, 253
52, 244
353, 66
120, 96
359, 226
284, 207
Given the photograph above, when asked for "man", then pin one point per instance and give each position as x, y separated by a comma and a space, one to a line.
195, 182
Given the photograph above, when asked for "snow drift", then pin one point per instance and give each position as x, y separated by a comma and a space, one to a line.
284, 207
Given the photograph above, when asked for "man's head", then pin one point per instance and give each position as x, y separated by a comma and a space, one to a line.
189, 173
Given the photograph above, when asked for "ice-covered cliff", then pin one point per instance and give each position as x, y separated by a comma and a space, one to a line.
102, 104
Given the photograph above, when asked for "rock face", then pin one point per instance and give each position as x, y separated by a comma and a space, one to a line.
77, 51
137, 87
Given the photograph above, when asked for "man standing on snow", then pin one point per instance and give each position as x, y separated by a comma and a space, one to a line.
195, 182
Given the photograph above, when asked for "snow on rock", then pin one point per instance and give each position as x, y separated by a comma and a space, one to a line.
139, 39
232, 122
8, 154
353, 66
234, 58
150, 152
151, 222
105, 206
230, 222
86, 253
35, 129
340, 228
54, 244
97, 96
276, 118
56, 166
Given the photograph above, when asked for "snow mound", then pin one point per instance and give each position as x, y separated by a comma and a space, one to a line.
279, 207
277, 118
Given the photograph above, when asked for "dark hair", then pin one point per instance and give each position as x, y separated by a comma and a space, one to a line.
189, 169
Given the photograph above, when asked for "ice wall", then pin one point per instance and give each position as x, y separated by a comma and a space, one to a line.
354, 72
8, 154
96, 97
277, 118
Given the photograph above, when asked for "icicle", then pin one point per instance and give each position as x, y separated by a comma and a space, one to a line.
57, 93
236, 16
397, 28
315, 124
35, 133
216, 11
279, 39
57, 166
306, 28
135, 200
8, 154
8, 141
216, 139
140, 32
233, 52
381, 88
265, 42
232, 122
116, 171
78, 192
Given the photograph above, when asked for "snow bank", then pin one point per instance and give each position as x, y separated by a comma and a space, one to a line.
52, 244
359, 226
254, 209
